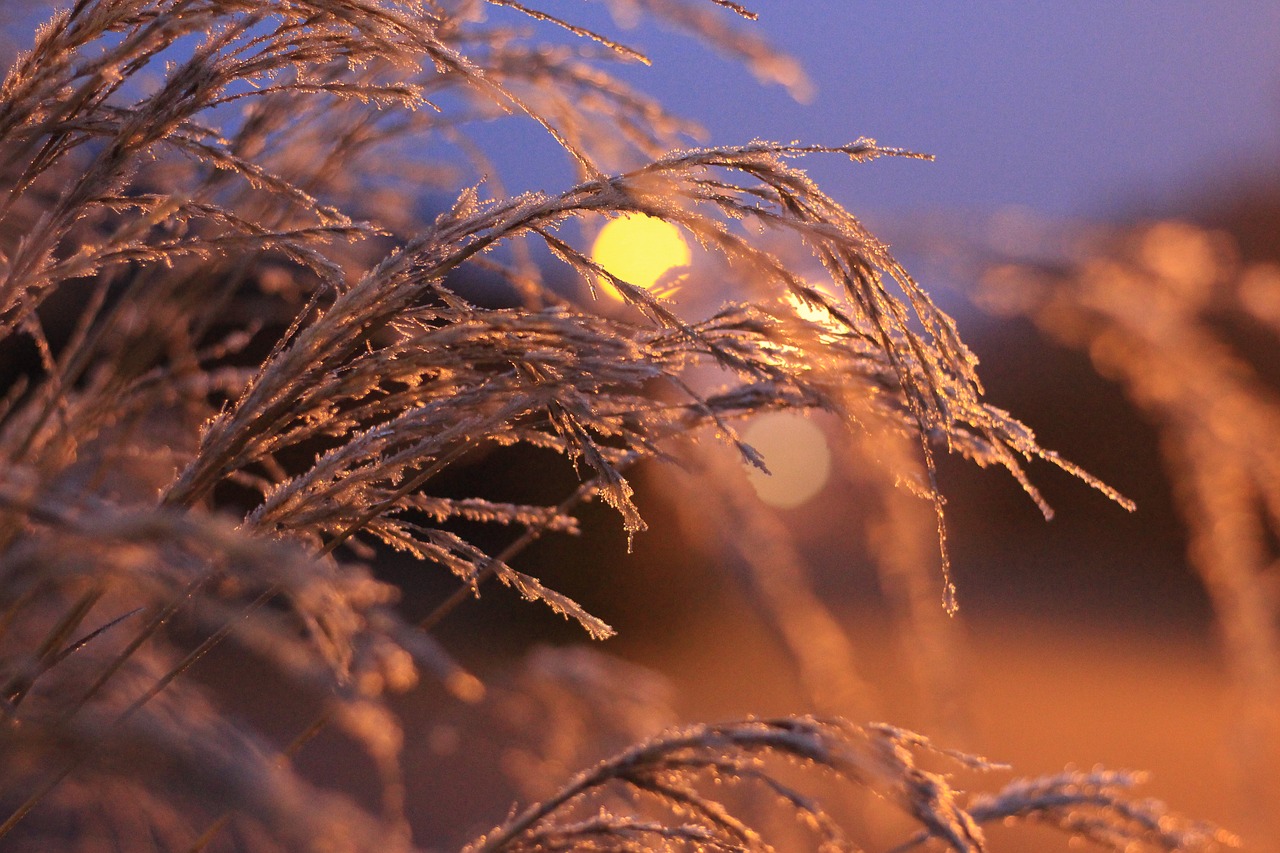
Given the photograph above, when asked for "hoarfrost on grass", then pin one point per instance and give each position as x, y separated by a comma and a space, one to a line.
248, 366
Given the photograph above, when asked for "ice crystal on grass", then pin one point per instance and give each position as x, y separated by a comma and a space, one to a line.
237, 363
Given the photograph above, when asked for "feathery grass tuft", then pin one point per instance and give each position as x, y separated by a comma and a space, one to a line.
238, 363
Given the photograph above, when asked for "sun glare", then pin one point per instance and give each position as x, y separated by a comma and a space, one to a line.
812, 313
639, 249
797, 455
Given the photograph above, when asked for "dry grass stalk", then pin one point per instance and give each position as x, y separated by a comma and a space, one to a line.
241, 365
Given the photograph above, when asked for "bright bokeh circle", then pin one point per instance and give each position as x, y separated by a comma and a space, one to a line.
639, 249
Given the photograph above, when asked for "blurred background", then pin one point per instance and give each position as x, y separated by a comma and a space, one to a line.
1062, 133
1082, 150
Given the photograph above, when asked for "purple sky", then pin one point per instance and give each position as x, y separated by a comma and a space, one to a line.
1083, 109
1068, 109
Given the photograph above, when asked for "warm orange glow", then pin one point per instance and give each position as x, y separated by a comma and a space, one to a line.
812, 313
639, 249
797, 455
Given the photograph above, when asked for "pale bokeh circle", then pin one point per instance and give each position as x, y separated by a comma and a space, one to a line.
797, 455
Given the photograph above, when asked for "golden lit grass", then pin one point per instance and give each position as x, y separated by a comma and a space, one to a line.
240, 371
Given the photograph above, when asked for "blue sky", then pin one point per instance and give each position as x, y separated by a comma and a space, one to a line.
1087, 108
1068, 109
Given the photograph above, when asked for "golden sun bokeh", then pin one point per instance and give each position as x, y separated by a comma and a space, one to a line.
639, 249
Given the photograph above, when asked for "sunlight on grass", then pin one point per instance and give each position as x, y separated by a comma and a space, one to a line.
638, 249
812, 313
797, 455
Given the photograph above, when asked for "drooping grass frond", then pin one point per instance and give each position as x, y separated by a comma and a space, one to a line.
85, 698
1096, 805
668, 770
691, 774
240, 359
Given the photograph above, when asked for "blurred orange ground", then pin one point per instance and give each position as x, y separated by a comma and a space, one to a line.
1040, 697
